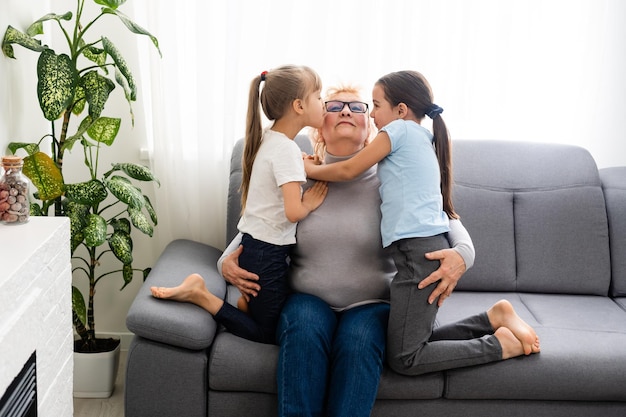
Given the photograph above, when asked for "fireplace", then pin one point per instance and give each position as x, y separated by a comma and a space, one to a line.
20, 399
36, 316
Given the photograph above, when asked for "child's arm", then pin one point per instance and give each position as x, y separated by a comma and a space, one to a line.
353, 167
298, 205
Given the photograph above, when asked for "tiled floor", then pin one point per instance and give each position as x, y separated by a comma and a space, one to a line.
106, 407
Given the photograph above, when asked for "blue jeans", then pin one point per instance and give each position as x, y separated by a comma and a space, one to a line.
329, 362
269, 262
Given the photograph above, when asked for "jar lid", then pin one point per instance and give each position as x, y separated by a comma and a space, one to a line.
11, 161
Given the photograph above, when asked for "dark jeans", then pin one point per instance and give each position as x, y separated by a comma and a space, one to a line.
329, 362
270, 263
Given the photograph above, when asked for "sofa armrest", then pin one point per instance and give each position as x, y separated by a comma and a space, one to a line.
170, 322
614, 187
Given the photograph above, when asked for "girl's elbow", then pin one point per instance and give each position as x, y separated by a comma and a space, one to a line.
292, 218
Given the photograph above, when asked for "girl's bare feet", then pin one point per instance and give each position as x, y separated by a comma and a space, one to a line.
191, 290
511, 346
502, 314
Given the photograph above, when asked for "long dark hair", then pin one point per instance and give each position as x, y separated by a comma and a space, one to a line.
412, 89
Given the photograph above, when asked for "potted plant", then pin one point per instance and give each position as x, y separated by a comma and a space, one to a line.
102, 207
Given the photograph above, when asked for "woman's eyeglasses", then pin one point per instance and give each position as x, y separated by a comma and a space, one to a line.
335, 106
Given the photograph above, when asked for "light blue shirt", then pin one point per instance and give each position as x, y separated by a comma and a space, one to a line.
412, 205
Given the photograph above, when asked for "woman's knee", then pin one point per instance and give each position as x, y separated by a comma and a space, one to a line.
363, 330
306, 317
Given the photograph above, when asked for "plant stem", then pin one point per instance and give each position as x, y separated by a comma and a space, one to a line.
92, 292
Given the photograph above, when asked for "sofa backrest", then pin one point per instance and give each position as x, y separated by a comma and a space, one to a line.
233, 204
614, 186
536, 214
537, 217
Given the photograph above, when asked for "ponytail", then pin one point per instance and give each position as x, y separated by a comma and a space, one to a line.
254, 132
443, 149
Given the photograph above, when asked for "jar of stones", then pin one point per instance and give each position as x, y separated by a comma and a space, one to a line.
14, 198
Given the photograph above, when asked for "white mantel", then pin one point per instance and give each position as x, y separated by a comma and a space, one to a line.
35, 309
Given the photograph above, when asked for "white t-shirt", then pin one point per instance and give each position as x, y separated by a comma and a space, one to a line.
278, 162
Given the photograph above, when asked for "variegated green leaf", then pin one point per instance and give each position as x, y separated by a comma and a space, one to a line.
138, 172
120, 225
146, 272
97, 55
89, 193
30, 148
78, 215
120, 63
126, 192
104, 130
14, 36
97, 89
82, 129
122, 246
36, 28
56, 83
119, 78
78, 236
96, 230
150, 210
140, 221
114, 4
78, 305
45, 175
79, 100
127, 274
133, 27
36, 210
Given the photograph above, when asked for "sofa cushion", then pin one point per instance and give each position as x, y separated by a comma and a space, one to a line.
237, 364
582, 350
621, 301
544, 231
614, 186
178, 324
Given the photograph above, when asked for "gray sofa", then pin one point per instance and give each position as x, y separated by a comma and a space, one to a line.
550, 236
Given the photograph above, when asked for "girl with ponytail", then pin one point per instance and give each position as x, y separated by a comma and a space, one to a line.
415, 171
272, 201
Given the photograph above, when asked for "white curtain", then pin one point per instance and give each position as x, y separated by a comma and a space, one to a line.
533, 70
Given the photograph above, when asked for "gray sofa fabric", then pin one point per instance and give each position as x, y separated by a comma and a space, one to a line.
550, 236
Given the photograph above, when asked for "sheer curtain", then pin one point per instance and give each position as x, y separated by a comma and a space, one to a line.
534, 70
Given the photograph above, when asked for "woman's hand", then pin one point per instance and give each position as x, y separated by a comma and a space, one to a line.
244, 281
450, 270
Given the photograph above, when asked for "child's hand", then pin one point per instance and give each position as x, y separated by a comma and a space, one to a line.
313, 158
314, 196
310, 162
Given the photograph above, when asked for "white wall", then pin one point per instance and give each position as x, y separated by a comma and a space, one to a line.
602, 119
21, 121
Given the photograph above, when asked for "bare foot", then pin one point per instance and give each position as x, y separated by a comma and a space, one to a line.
191, 290
502, 314
511, 346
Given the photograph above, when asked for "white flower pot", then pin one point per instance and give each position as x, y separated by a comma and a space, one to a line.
95, 373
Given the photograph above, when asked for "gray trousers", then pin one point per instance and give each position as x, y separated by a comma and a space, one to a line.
414, 345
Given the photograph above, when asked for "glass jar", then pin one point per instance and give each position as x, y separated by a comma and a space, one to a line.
14, 197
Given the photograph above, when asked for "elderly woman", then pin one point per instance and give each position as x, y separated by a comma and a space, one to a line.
332, 330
